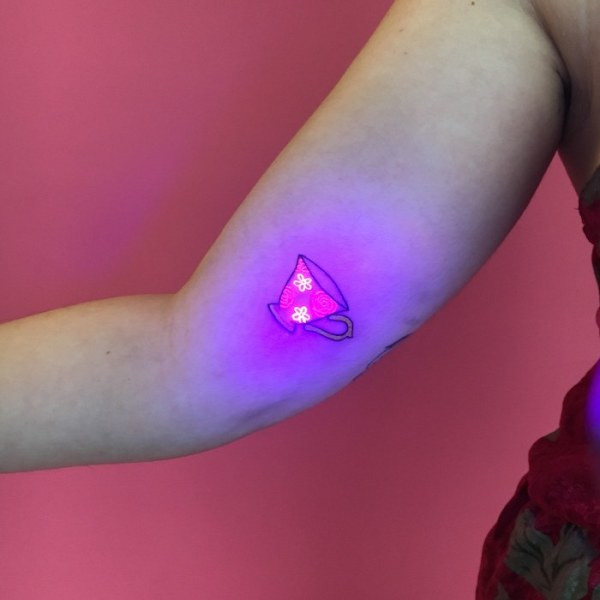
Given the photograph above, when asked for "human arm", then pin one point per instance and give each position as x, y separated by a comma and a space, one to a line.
402, 183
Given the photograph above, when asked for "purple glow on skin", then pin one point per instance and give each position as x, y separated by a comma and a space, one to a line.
254, 359
311, 294
593, 422
593, 407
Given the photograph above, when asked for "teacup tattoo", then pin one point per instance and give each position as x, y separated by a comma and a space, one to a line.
311, 296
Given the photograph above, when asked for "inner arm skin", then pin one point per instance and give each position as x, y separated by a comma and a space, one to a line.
401, 184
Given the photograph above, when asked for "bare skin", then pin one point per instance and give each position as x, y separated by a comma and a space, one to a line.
574, 28
421, 160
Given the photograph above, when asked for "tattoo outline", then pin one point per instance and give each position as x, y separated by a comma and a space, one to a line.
311, 295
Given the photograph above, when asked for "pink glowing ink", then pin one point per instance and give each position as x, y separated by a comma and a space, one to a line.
310, 295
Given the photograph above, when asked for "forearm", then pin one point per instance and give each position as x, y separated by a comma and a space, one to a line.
87, 384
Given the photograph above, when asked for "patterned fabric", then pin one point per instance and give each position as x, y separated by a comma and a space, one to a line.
546, 541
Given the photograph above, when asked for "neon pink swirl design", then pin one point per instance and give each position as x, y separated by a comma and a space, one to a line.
302, 268
287, 297
322, 304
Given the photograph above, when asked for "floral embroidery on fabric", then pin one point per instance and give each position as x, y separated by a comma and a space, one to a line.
558, 572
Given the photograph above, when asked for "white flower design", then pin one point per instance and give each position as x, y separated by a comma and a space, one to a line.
303, 283
300, 314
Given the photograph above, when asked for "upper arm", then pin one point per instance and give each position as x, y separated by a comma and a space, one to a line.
400, 185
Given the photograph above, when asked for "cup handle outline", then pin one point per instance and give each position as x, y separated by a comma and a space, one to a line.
334, 336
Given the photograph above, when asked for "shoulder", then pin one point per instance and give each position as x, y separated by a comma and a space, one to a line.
573, 27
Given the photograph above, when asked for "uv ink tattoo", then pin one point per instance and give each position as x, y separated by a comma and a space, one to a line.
310, 299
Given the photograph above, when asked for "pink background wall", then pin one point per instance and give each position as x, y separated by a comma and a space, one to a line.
130, 132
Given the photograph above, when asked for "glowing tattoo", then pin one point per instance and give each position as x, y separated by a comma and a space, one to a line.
310, 295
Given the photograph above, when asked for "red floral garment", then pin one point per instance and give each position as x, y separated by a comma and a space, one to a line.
546, 541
